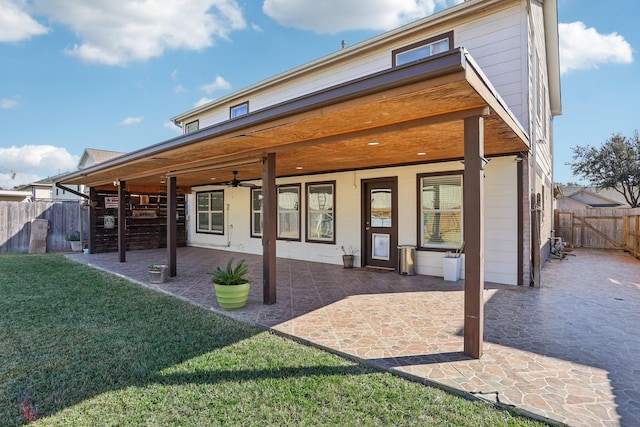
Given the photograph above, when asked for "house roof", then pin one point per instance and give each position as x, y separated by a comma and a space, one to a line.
98, 156
604, 197
416, 108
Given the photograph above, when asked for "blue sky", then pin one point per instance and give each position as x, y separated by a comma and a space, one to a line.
110, 75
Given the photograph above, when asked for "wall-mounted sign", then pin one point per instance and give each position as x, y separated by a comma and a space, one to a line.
111, 202
144, 213
109, 221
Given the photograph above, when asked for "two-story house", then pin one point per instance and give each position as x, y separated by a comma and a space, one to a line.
434, 134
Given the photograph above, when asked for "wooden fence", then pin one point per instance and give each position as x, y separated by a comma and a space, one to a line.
600, 228
15, 224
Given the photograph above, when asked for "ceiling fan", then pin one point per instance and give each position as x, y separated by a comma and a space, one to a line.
235, 182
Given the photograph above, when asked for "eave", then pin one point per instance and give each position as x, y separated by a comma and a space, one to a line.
418, 108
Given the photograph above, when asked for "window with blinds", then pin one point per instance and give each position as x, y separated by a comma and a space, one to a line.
440, 211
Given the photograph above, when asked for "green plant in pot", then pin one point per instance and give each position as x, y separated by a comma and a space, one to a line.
231, 285
74, 239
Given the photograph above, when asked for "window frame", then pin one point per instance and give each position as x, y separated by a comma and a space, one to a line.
252, 211
308, 187
210, 231
299, 188
186, 126
420, 211
422, 43
234, 107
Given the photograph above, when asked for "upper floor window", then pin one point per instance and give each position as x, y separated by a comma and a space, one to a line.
422, 49
239, 110
192, 126
440, 216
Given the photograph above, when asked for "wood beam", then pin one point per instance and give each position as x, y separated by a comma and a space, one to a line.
269, 228
122, 222
172, 225
473, 191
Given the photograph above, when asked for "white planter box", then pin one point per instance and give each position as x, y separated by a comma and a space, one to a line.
451, 269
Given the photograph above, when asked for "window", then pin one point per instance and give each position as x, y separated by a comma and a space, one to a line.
321, 212
289, 212
192, 126
256, 212
440, 216
239, 110
210, 215
422, 49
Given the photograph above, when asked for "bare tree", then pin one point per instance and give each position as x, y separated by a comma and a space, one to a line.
615, 165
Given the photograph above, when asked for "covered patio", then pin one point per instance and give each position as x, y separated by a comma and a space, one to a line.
566, 351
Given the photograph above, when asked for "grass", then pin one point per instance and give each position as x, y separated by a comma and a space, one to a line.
82, 347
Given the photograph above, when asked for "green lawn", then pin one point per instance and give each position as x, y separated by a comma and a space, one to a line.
82, 347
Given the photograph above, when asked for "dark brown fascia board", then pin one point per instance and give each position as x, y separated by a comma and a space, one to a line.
432, 67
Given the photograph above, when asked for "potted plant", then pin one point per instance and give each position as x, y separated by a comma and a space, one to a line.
451, 264
158, 273
231, 285
74, 239
348, 256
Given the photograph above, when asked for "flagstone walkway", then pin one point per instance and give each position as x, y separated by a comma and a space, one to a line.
567, 352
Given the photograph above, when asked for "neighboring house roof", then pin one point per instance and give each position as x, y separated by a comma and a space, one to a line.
92, 156
15, 196
593, 197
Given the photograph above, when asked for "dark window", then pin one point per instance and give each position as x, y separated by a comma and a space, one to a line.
321, 202
440, 210
422, 49
239, 110
210, 212
192, 126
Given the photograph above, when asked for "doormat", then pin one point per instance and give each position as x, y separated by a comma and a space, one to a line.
374, 270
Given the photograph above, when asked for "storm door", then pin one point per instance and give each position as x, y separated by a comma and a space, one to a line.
380, 222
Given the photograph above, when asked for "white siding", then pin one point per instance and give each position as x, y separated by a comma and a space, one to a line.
495, 40
500, 219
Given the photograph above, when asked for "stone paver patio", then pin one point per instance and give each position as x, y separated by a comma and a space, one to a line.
567, 352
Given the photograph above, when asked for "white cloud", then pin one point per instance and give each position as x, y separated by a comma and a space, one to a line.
119, 32
256, 27
584, 48
202, 101
174, 74
16, 24
333, 16
172, 127
179, 89
132, 121
37, 161
8, 103
218, 84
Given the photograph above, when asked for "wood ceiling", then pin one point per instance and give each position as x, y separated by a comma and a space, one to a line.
425, 117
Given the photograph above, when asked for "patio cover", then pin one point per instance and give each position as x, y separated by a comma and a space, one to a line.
442, 106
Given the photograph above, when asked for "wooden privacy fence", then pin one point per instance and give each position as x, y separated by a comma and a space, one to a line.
600, 228
15, 224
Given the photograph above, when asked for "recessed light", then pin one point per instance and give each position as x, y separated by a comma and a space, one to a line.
299, 167
422, 153
212, 179
373, 143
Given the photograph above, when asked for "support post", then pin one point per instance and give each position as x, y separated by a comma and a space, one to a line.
172, 225
93, 219
269, 228
473, 194
122, 222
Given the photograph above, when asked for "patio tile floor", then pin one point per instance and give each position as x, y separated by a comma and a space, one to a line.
567, 351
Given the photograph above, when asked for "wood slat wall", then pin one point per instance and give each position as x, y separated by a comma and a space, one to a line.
146, 222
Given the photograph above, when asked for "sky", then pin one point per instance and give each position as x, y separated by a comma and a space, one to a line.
111, 74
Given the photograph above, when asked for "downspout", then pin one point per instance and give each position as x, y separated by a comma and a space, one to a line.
535, 245
77, 193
